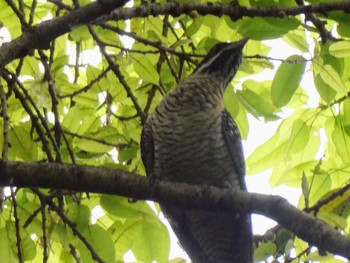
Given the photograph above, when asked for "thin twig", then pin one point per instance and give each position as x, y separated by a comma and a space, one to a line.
17, 226
71, 224
119, 75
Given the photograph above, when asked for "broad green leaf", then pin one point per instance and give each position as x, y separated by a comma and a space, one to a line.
286, 81
80, 33
80, 215
264, 250
152, 242
340, 49
292, 176
297, 39
305, 189
258, 28
346, 116
265, 155
87, 100
300, 246
101, 241
325, 91
71, 120
145, 69
341, 141
23, 147
120, 207
332, 78
59, 62
332, 219
27, 244
256, 103
320, 184
92, 146
7, 254
231, 102
195, 26
298, 138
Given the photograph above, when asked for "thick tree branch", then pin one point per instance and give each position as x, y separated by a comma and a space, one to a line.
234, 11
107, 181
40, 36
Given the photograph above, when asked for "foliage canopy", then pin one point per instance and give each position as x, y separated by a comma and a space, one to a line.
83, 99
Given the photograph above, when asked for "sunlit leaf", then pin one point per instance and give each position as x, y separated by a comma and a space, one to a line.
332, 219
332, 78
297, 39
325, 91
287, 80
340, 49
264, 250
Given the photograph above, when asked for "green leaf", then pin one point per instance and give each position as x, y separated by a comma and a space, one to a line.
286, 81
145, 69
7, 255
346, 116
255, 102
325, 91
71, 120
121, 207
80, 33
264, 250
152, 242
23, 147
258, 28
265, 155
92, 146
333, 79
320, 184
298, 138
332, 219
231, 102
80, 215
27, 244
59, 62
341, 140
305, 189
297, 39
340, 49
101, 241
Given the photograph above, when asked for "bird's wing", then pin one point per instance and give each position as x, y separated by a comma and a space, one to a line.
242, 222
147, 149
234, 144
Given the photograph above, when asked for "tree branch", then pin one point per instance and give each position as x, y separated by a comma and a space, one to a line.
108, 181
40, 36
234, 11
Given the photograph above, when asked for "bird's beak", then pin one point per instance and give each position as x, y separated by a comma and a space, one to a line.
241, 43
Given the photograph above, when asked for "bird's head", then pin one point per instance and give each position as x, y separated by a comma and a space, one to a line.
223, 60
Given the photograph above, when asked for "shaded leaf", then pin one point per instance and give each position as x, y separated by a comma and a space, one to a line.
258, 28
101, 242
145, 69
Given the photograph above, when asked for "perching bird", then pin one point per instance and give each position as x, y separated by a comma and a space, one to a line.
191, 138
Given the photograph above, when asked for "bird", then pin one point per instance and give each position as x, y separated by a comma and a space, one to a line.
191, 138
